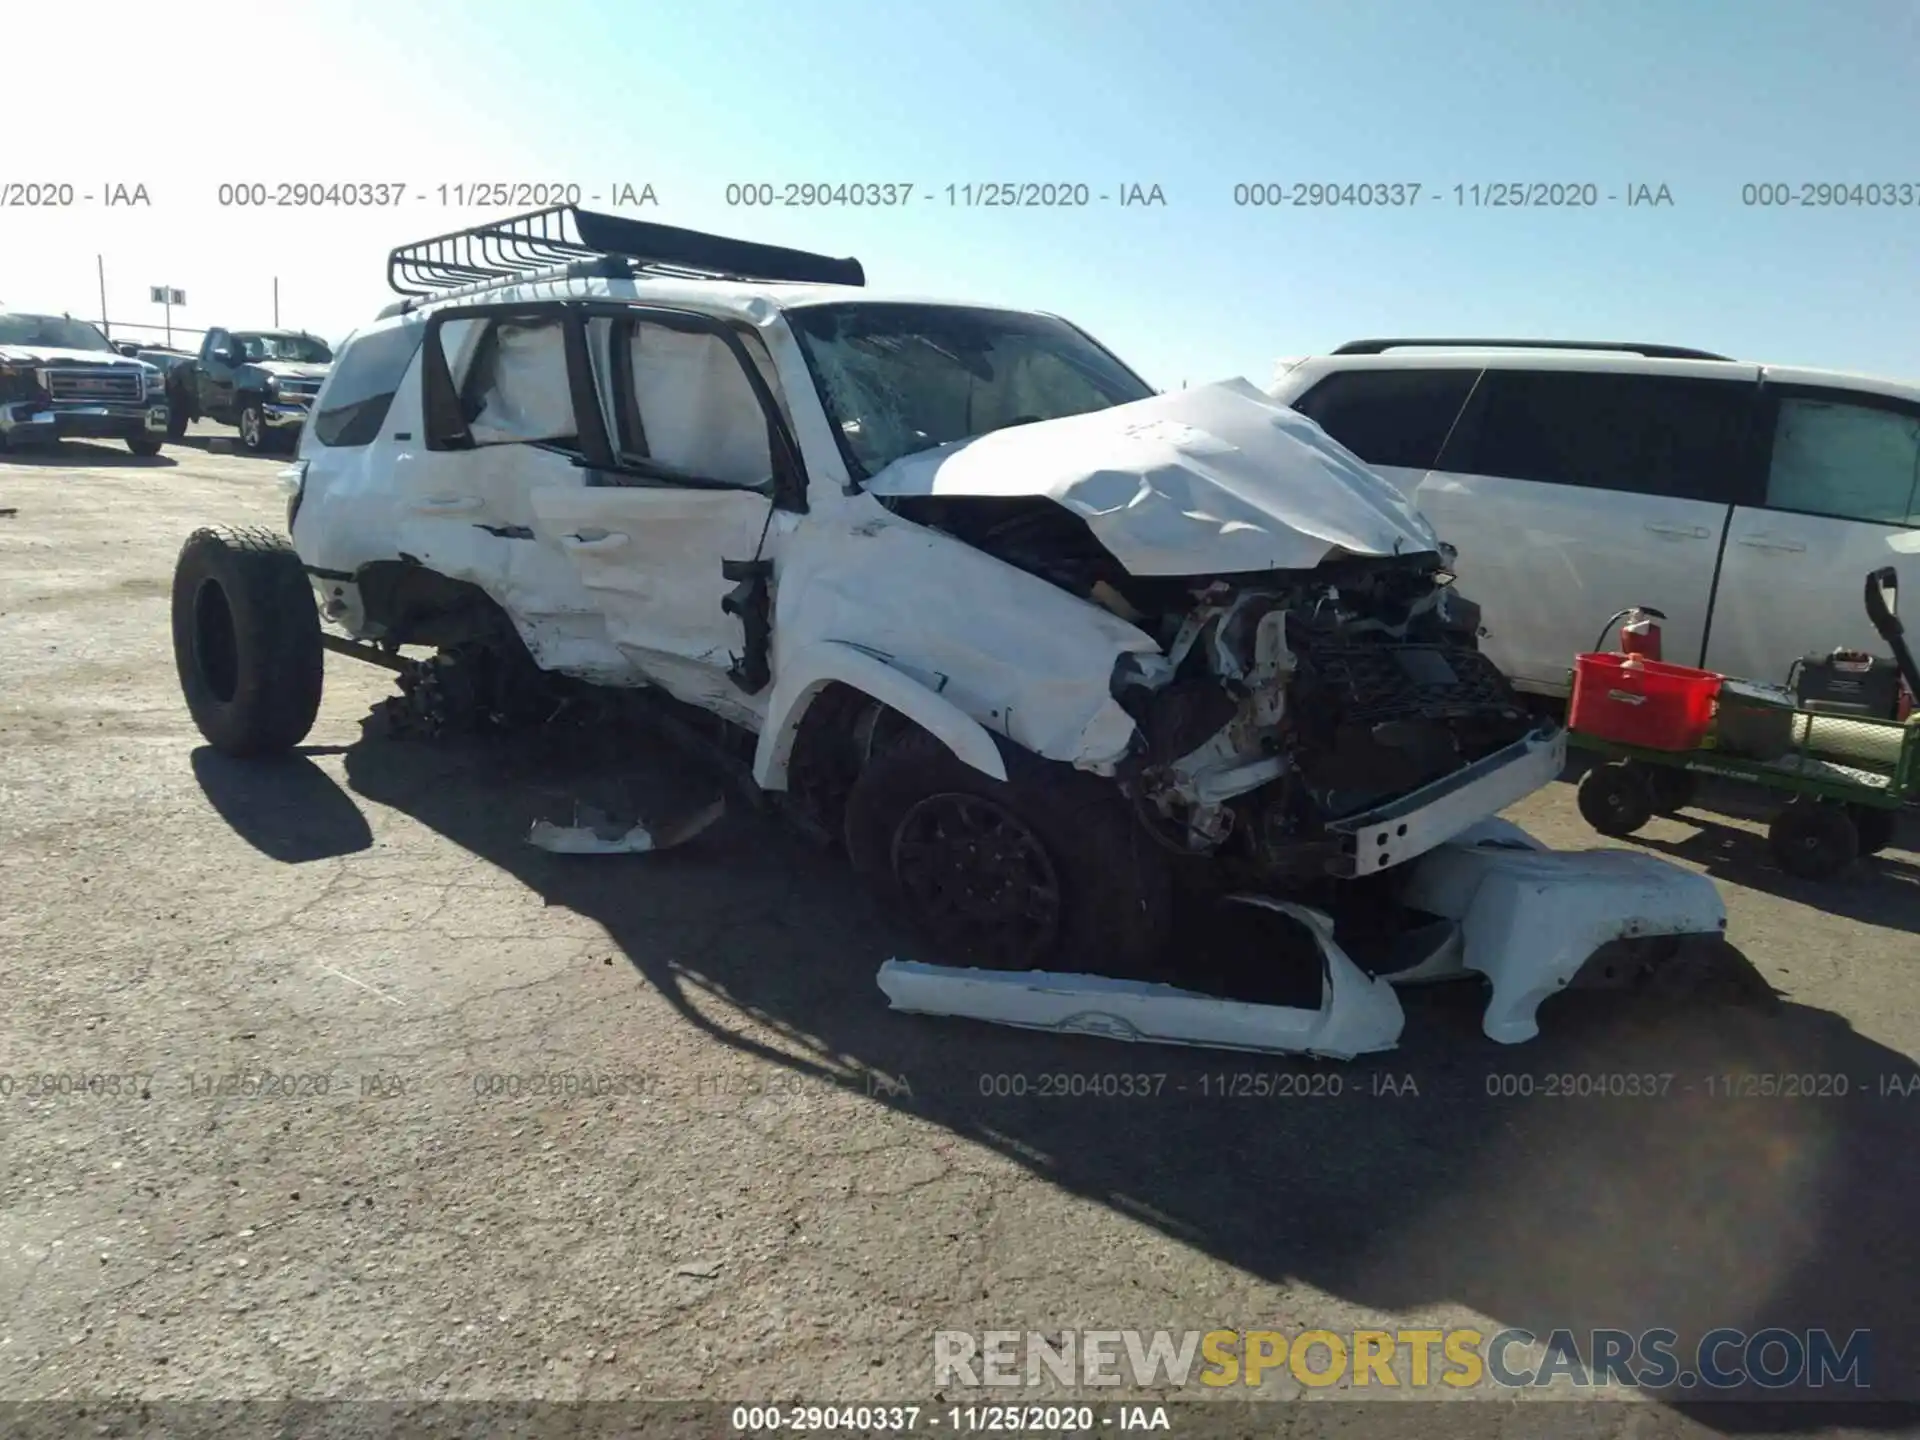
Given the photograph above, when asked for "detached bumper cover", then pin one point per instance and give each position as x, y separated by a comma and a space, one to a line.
1357, 1014
1530, 917
281, 414
1525, 917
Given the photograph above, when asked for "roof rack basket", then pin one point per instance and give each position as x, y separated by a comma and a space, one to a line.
1618, 347
564, 241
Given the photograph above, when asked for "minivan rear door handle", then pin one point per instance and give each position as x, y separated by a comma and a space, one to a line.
595, 544
1772, 542
448, 505
1680, 532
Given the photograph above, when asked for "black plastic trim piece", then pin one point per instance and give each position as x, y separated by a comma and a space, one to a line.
1617, 347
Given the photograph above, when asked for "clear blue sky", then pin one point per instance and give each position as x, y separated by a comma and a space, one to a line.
1194, 97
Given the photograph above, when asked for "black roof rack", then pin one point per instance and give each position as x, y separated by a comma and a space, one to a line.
564, 240
1651, 352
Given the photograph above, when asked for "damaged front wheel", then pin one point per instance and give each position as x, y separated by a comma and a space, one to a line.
1044, 871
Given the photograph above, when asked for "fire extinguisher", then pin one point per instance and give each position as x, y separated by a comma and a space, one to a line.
1639, 632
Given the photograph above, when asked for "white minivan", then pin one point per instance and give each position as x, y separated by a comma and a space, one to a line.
1747, 502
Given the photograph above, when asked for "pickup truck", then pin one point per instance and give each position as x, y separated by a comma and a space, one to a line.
262, 382
1746, 502
61, 378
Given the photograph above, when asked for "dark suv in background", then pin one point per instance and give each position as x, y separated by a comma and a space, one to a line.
60, 378
262, 382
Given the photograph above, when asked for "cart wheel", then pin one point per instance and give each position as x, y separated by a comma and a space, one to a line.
1874, 826
1814, 839
1615, 799
1670, 787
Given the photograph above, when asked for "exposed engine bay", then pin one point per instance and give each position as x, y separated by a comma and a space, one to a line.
1282, 701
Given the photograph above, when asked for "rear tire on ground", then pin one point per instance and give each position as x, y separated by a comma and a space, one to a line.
1874, 827
1814, 839
142, 445
1615, 799
246, 641
1048, 870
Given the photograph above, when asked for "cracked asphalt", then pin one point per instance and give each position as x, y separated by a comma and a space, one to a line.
316, 1080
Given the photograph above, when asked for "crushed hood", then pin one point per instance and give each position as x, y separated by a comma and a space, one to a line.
1219, 479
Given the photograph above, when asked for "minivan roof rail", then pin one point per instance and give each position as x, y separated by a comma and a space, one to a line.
564, 240
1651, 352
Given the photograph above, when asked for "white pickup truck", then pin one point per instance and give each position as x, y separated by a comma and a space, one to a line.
1747, 502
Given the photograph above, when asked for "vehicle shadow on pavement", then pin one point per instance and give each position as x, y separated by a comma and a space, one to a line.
1449, 1172
1881, 890
69, 454
287, 808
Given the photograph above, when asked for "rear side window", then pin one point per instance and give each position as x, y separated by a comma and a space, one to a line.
1857, 462
517, 390
1389, 417
1647, 434
362, 384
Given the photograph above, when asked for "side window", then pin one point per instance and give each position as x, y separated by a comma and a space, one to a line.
1389, 417
361, 385
215, 339
1856, 462
693, 409
515, 390
1645, 434
460, 343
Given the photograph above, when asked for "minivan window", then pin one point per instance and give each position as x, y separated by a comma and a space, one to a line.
1856, 462
1389, 417
1646, 434
361, 387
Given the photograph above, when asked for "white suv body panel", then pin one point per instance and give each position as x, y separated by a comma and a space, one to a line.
619, 583
1747, 588
636, 601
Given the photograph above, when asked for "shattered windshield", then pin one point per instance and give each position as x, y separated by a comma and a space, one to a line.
301, 349
896, 379
55, 332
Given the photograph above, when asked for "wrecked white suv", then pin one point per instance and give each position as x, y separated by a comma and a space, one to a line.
1052, 654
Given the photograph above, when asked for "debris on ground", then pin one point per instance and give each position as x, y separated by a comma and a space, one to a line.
594, 832
1357, 1014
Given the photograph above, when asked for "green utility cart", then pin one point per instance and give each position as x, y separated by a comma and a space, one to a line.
1847, 777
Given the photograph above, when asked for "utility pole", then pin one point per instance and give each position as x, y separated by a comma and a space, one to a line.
276, 302
100, 264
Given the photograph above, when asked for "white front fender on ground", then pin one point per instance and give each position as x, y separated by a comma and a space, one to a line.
1530, 917
1525, 917
1357, 1015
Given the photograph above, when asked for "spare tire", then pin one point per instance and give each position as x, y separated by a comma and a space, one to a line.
246, 640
